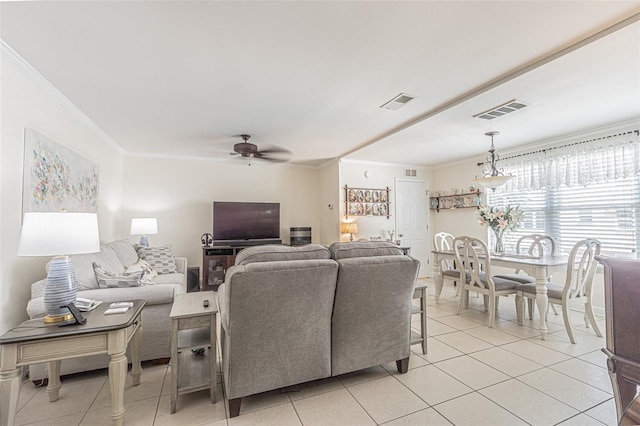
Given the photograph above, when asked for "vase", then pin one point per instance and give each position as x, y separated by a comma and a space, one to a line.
499, 244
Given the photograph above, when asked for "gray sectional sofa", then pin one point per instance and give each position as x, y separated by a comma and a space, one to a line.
295, 314
116, 256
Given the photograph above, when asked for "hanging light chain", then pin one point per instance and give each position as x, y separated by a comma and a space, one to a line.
491, 168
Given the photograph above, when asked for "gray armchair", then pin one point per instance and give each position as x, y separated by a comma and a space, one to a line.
275, 308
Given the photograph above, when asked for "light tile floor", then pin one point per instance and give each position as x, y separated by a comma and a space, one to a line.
472, 375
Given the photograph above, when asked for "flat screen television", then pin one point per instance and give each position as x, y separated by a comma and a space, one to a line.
246, 223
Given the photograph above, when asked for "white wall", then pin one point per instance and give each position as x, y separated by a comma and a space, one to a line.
382, 176
458, 221
329, 180
180, 194
29, 101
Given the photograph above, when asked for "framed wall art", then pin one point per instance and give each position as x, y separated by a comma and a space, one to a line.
56, 178
367, 201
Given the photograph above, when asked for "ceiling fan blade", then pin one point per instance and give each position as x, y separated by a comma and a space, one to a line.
274, 150
270, 159
276, 155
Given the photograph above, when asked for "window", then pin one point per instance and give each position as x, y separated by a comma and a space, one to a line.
594, 206
608, 211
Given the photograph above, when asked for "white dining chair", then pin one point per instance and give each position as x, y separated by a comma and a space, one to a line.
535, 245
444, 242
581, 268
480, 279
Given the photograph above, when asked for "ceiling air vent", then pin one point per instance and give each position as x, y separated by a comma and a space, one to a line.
397, 102
500, 110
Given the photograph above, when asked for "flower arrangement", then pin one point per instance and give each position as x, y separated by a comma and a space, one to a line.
391, 232
500, 220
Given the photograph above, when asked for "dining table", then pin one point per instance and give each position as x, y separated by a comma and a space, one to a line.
539, 267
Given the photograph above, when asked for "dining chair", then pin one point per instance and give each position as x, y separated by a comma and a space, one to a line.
581, 268
535, 245
444, 242
481, 281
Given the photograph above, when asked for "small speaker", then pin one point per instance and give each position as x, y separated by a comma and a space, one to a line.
300, 235
193, 279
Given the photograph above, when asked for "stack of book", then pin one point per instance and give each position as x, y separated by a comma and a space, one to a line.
86, 305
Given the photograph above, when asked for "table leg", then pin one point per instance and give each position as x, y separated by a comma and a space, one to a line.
53, 388
214, 356
542, 300
423, 319
136, 365
174, 364
117, 347
437, 278
9, 385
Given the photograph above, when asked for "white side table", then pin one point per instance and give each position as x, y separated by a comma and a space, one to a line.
33, 341
193, 327
420, 293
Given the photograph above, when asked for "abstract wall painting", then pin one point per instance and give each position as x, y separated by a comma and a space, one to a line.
56, 178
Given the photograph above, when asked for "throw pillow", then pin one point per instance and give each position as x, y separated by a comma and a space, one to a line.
148, 273
108, 279
160, 258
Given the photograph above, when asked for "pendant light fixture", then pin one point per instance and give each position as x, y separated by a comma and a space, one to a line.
493, 177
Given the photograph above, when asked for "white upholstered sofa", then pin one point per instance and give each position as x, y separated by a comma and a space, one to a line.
116, 256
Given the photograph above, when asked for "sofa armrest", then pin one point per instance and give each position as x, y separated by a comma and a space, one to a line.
223, 307
181, 266
35, 306
37, 288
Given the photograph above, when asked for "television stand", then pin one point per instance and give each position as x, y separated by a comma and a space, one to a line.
246, 243
218, 258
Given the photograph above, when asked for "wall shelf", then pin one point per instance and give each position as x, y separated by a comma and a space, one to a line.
465, 200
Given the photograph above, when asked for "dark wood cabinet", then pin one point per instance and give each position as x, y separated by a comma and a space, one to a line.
215, 262
622, 298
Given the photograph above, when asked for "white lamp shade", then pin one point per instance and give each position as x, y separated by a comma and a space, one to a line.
492, 182
144, 226
59, 233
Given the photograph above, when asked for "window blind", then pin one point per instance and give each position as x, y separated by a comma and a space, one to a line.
608, 210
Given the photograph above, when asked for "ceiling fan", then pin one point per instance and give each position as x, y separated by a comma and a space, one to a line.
249, 150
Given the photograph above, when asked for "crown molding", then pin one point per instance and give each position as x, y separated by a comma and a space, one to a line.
18, 62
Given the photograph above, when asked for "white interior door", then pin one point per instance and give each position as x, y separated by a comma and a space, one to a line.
412, 219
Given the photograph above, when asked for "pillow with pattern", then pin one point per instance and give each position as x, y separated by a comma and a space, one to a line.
160, 258
108, 279
148, 273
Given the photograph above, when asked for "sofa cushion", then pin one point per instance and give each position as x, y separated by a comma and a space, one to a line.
271, 253
345, 250
83, 266
160, 258
108, 279
175, 278
125, 251
152, 294
148, 273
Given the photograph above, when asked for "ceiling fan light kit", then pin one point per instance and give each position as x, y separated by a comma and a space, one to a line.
493, 177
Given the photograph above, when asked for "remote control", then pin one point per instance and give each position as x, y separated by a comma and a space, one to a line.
121, 305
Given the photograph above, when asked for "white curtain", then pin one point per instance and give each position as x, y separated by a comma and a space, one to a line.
581, 163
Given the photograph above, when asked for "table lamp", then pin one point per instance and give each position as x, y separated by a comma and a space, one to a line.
144, 226
349, 228
59, 234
